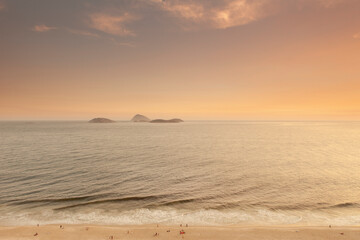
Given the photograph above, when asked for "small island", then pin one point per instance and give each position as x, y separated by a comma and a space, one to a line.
140, 118
174, 120
101, 120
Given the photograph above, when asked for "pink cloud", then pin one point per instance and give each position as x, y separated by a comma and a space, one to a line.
223, 14
230, 13
42, 28
112, 24
191, 11
236, 13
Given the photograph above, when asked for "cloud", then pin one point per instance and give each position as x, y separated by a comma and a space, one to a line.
237, 13
224, 14
112, 24
356, 36
42, 28
190, 10
114, 41
215, 14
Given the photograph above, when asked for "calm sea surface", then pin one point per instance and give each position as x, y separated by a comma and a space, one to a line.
194, 172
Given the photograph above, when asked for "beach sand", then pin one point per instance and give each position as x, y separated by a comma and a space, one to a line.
77, 232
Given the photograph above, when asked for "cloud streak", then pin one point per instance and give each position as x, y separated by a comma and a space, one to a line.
215, 14
42, 28
187, 10
224, 14
237, 13
112, 24
113, 40
356, 36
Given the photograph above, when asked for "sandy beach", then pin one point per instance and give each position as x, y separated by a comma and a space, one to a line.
173, 232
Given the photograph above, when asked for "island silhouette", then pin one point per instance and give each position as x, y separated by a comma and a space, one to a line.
137, 118
142, 118
174, 120
101, 120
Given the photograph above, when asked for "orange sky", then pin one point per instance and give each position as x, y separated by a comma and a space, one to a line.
197, 60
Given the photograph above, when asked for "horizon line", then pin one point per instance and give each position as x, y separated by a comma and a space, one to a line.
190, 120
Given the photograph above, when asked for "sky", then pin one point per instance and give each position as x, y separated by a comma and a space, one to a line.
189, 59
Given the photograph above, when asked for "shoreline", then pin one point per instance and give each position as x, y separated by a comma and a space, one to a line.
154, 231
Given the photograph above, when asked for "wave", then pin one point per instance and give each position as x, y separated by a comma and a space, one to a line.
114, 200
343, 205
56, 200
171, 216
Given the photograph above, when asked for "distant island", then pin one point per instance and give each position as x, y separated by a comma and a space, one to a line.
140, 118
101, 120
174, 120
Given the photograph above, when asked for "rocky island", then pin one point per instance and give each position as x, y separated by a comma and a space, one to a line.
174, 120
101, 120
140, 118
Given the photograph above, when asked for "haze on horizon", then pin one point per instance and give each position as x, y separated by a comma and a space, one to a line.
203, 59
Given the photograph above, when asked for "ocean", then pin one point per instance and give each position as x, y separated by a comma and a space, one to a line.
199, 173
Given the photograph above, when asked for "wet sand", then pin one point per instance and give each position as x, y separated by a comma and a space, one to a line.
146, 232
